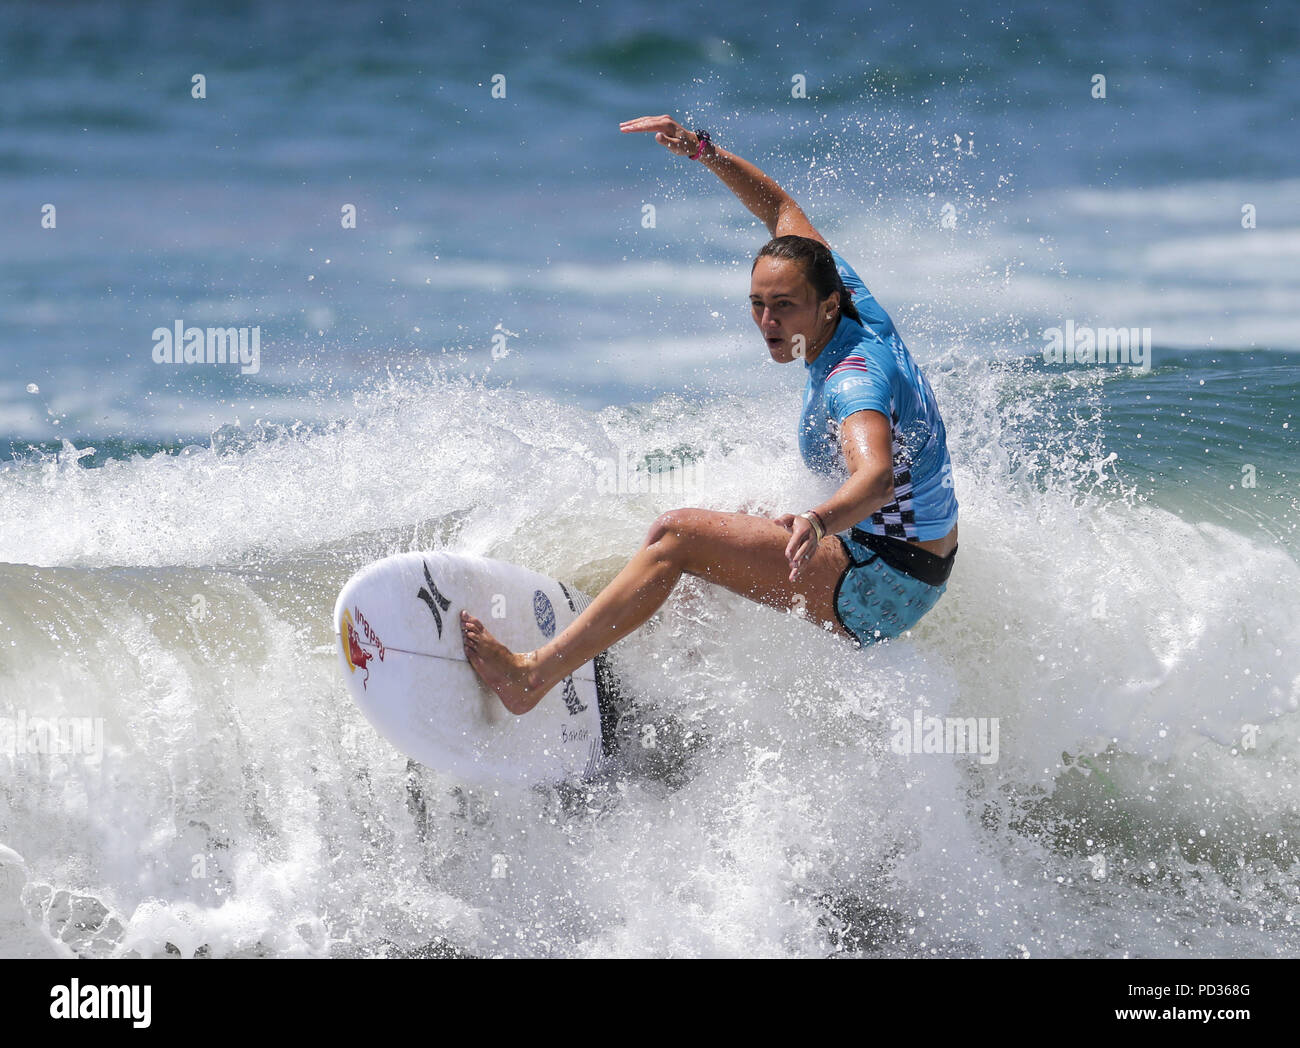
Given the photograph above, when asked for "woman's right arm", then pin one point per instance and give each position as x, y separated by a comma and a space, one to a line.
771, 204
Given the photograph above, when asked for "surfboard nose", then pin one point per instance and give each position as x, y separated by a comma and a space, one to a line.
419, 690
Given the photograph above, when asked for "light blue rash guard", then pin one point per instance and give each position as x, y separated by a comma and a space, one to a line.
866, 367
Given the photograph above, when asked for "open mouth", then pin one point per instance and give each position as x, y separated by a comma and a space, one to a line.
774, 342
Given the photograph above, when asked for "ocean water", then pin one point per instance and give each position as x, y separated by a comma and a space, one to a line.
499, 328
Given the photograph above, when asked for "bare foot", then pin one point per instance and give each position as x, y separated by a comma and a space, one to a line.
512, 676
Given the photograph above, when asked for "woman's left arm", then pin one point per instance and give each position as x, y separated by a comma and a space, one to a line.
867, 442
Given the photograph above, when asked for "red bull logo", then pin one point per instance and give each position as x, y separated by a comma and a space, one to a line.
358, 658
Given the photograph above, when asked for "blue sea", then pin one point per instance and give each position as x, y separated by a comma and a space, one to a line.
469, 293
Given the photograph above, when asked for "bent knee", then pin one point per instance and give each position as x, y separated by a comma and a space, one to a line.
673, 529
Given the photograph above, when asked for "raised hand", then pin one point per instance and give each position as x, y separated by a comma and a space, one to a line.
667, 131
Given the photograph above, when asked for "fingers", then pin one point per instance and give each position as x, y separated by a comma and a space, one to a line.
797, 564
649, 123
800, 550
667, 131
801, 547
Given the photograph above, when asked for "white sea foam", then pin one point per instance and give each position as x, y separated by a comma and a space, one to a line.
242, 805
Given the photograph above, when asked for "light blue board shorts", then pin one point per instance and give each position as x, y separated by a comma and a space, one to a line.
875, 600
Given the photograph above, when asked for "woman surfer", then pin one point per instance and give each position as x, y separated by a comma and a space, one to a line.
870, 560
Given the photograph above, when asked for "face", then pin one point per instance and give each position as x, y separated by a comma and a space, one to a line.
785, 307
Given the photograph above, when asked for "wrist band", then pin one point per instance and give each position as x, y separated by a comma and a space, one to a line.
705, 141
819, 529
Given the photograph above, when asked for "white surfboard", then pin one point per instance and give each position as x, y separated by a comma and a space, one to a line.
398, 627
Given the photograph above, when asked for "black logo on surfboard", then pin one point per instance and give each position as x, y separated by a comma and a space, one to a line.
571, 701
434, 599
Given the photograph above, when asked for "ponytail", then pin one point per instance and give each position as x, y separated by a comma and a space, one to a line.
847, 308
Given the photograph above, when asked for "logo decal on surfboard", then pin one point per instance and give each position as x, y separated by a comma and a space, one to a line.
357, 657
434, 599
544, 614
571, 701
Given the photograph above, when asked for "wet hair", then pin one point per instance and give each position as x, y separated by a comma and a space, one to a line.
814, 259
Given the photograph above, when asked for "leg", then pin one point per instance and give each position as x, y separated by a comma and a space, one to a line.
743, 553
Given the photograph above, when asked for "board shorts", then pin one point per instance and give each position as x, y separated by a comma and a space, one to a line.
888, 585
